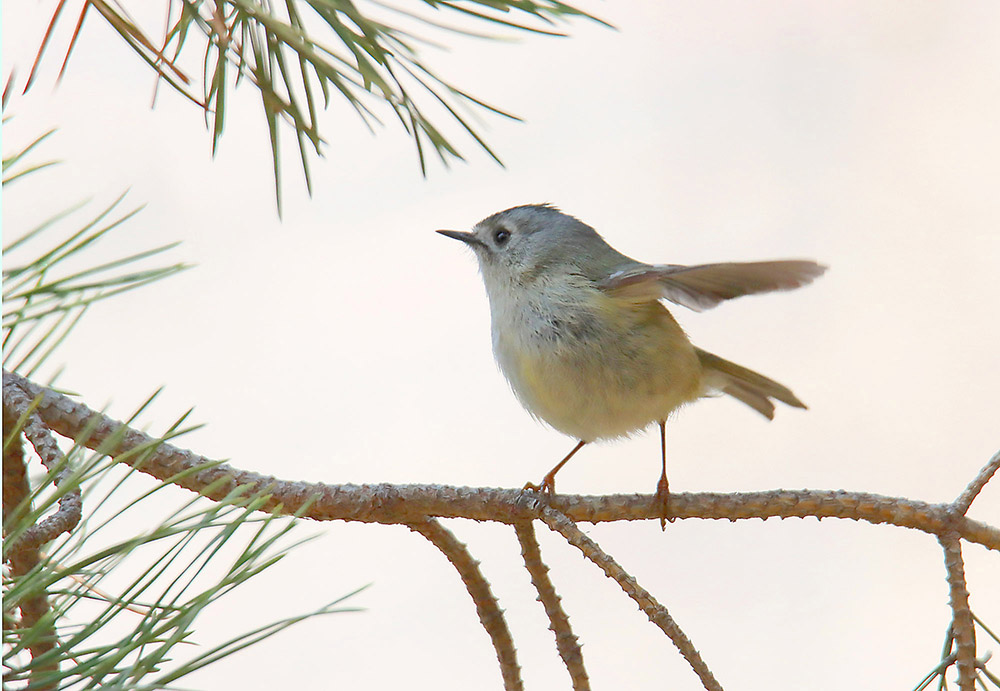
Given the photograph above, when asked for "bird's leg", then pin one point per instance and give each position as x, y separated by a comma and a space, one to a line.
663, 487
548, 485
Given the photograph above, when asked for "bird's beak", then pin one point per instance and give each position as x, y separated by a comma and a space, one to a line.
468, 238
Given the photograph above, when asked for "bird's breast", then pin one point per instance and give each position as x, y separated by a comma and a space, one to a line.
591, 366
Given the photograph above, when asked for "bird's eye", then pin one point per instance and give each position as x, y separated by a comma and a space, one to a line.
501, 236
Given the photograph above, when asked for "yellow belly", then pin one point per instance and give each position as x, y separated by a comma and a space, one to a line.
635, 369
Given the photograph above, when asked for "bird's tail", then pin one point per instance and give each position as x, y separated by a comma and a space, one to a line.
751, 388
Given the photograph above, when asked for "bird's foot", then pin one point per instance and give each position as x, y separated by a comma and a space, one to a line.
663, 499
547, 486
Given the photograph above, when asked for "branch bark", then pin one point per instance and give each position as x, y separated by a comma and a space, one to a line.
36, 412
656, 612
962, 625
566, 642
490, 614
965, 500
25, 419
400, 504
23, 557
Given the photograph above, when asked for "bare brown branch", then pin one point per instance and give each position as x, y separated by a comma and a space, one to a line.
396, 504
19, 408
15, 474
965, 500
37, 412
23, 559
487, 607
656, 612
566, 643
963, 627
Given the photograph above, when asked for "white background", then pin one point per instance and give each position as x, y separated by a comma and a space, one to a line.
349, 343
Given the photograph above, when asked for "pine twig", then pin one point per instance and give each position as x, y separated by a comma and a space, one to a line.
16, 491
963, 626
487, 606
965, 500
566, 641
656, 612
21, 409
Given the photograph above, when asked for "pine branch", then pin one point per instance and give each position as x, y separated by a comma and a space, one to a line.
656, 612
288, 50
962, 626
965, 500
566, 642
400, 504
67, 516
418, 506
35, 608
490, 614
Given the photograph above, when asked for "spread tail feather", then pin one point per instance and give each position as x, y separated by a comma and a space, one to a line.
745, 385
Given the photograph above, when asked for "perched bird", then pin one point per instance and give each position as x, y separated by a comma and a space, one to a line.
581, 334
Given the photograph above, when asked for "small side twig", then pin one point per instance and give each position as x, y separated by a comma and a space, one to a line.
35, 606
20, 407
965, 499
487, 606
656, 612
566, 641
963, 627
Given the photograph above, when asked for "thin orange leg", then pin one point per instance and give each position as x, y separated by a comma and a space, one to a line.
663, 487
548, 485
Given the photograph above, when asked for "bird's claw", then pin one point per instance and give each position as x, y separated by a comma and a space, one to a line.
663, 499
547, 486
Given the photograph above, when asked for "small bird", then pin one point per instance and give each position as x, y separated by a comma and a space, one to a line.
581, 334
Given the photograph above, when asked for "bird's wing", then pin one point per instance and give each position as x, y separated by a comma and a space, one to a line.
705, 286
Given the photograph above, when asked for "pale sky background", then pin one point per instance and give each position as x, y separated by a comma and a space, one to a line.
349, 343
